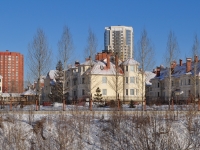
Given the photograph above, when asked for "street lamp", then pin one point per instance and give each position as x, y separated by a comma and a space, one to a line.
177, 93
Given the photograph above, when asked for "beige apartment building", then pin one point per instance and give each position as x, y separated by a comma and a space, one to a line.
119, 39
183, 83
83, 79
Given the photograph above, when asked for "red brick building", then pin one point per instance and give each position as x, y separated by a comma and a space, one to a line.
12, 70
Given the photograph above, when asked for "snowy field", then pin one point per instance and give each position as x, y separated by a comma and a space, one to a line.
116, 130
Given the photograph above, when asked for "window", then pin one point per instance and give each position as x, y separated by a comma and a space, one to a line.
126, 91
158, 85
188, 81
132, 80
74, 81
126, 79
131, 91
83, 92
172, 83
104, 91
83, 69
104, 79
83, 80
126, 68
158, 94
132, 68
74, 93
181, 82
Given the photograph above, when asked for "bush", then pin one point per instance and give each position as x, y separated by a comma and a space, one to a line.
132, 104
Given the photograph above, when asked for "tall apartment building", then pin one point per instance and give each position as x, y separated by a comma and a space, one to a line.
12, 71
119, 39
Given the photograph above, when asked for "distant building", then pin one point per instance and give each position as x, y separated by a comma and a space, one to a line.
1, 79
12, 70
119, 39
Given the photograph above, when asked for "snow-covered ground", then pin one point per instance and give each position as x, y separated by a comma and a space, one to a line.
116, 130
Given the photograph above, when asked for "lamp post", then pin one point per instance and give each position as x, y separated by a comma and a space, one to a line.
177, 93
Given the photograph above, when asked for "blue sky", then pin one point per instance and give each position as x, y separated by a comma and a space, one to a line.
20, 19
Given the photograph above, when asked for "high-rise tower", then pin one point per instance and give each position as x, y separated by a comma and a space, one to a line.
119, 39
12, 71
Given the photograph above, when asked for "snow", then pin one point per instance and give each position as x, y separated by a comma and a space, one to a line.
130, 61
149, 76
29, 92
105, 128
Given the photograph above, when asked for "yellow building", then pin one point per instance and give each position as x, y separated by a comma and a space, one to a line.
83, 79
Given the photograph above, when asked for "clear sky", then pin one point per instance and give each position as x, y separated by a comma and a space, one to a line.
19, 20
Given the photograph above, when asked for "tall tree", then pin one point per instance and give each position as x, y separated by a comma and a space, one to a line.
90, 51
39, 57
145, 58
195, 52
65, 46
65, 50
91, 47
116, 82
171, 55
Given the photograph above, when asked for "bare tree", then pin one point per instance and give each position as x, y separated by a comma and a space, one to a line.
65, 50
39, 57
145, 57
90, 51
195, 52
65, 46
91, 47
171, 55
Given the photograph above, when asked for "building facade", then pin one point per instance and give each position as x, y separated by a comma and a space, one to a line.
12, 71
185, 80
1, 78
119, 39
112, 76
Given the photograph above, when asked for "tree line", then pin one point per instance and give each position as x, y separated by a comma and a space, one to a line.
39, 56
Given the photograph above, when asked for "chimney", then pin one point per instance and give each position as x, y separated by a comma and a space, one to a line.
158, 72
77, 63
87, 59
108, 61
97, 56
104, 55
188, 64
173, 65
196, 59
154, 71
180, 62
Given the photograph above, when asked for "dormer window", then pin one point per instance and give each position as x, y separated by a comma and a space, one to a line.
132, 68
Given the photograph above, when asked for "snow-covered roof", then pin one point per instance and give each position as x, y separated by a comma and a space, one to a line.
51, 74
179, 71
88, 63
149, 76
10, 94
29, 92
130, 61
